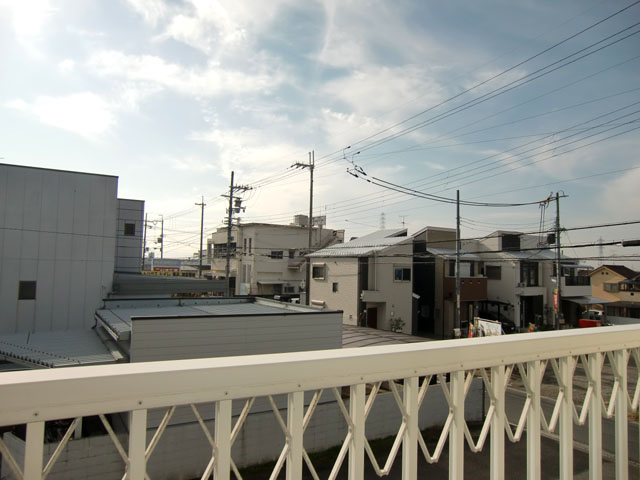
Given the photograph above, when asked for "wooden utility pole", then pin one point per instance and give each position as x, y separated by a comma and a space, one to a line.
310, 166
458, 260
144, 243
202, 205
558, 267
232, 189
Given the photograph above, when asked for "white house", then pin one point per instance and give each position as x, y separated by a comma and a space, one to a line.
521, 280
267, 259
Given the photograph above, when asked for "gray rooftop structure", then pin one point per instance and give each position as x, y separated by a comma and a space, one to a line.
364, 246
65, 348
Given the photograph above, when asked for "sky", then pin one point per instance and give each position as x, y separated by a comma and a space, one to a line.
506, 102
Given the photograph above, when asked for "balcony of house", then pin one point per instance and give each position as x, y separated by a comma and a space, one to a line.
472, 289
576, 286
372, 296
346, 394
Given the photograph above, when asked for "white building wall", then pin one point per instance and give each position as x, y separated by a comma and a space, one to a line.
129, 247
394, 296
344, 272
58, 229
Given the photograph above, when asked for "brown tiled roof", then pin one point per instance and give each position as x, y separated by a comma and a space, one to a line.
621, 270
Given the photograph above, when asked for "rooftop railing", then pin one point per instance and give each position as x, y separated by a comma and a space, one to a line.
354, 377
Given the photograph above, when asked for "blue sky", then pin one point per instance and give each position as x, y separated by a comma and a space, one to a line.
173, 95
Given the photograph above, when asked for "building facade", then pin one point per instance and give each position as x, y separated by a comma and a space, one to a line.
61, 238
267, 259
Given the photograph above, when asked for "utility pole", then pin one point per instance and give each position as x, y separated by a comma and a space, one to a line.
162, 237
310, 166
232, 189
558, 299
202, 205
144, 243
458, 260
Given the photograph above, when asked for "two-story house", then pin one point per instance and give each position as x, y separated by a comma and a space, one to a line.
395, 281
619, 287
267, 259
521, 280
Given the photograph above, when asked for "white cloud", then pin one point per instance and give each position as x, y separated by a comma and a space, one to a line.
209, 81
28, 16
85, 114
150, 10
67, 65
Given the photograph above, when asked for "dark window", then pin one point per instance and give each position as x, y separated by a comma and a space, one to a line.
292, 253
335, 287
493, 272
611, 287
250, 241
402, 274
27, 290
510, 242
317, 272
130, 229
452, 268
277, 254
529, 274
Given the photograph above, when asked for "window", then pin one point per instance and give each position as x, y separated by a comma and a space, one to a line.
318, 271
130, 229
611, 287
529, 274
27, 290
277, 254
289, 289
250, 246
292, 253
510, 242
401, 274
493, 272
334, 287
244, 245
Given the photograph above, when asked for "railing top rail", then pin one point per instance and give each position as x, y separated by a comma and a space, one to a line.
63, 393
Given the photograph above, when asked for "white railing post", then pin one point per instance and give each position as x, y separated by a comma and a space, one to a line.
533, 421
34, 448
137, 467
622, 417
356, 447
594, 363
497, 423
410, 437
456, 438
222, 440
566, 418
295, 416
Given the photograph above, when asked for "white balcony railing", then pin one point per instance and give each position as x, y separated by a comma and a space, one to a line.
39, 396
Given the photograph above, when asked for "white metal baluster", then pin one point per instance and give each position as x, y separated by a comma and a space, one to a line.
533, 421
136, 469
295, 418
410, 437
497, 423
34, 449
594, 364
456, 437
222, 439
566, 418
357, 398
620, 358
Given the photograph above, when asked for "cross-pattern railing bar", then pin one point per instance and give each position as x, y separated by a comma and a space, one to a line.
158, 433
222, 380
7, 456
203, 425
456, 436
498, 422
565, 381
34, 449
295, 416
620, 360
136, 466
357, 396
534, 418
594, 362
61, 445
410, 393
222, 448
